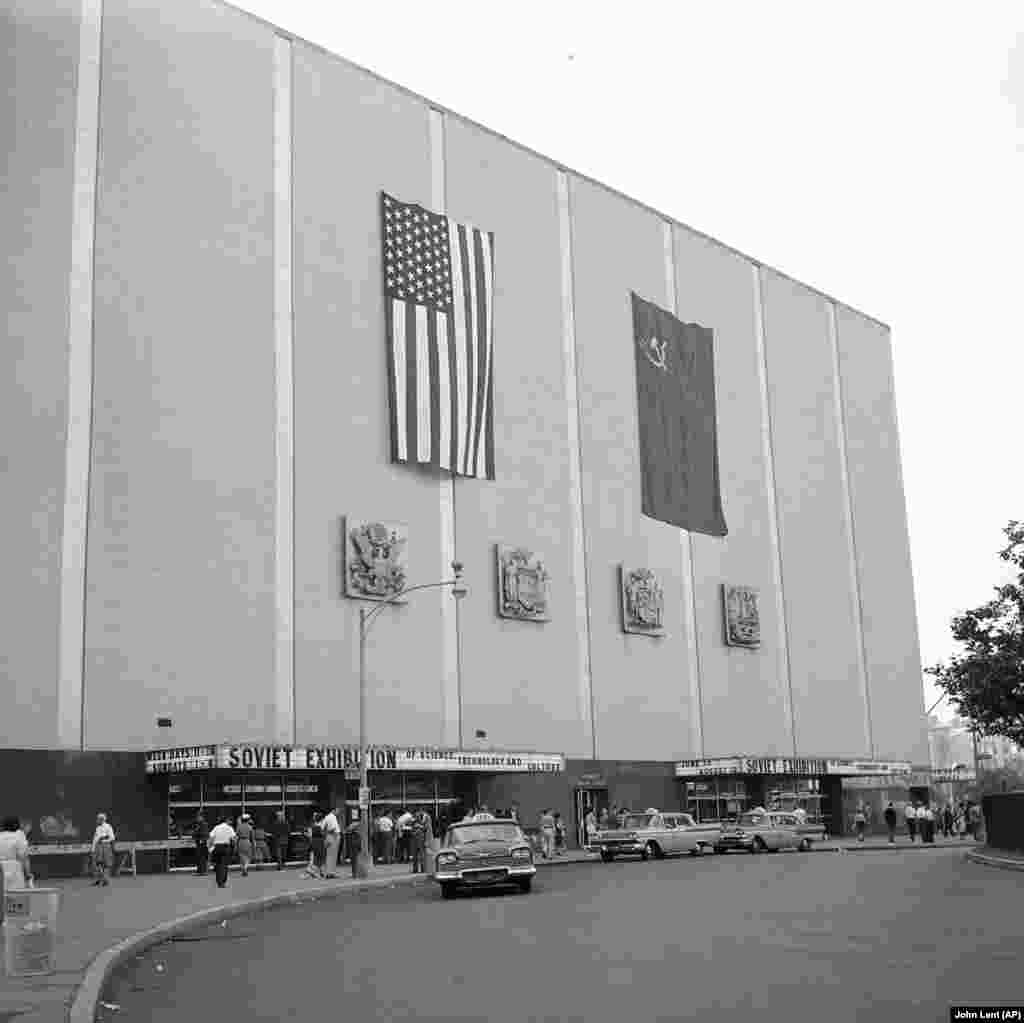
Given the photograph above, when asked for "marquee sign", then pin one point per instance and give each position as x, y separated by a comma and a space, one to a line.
256, 757
869, 767
186, 758
750, 765
789, 765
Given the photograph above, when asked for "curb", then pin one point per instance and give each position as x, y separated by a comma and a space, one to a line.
1000, 862
87, 996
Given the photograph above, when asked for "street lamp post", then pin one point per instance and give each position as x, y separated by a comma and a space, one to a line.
364, 859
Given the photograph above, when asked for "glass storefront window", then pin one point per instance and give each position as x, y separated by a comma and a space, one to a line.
419, 786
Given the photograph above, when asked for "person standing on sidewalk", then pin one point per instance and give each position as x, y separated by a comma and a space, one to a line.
404, 829
890, 821
316, 846
102, 849
280, 832
201, 835
332, 843
221, 841
859, 821
244, 842
418, 842
911, 814
354, 842
386, 828
559, 835
547, 833
590, 826
14, 862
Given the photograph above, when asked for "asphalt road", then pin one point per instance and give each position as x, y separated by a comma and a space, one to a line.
887, 936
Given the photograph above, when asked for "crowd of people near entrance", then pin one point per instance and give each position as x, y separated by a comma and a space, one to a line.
924, 820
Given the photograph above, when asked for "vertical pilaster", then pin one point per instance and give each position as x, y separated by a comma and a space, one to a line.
693, 666
451, 667
584, 679
78, 441
284, 517
785, 683
854, 572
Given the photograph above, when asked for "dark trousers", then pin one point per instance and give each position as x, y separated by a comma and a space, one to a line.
281, 850
221, 856
892, 831
911, 828
419, 853
202, 857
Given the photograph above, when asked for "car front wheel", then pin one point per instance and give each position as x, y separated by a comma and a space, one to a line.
525, 883
606, 857
447, 890
804, 846
758, 845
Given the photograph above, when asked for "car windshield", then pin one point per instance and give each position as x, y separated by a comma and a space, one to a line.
499, 831
753, 818
638, 820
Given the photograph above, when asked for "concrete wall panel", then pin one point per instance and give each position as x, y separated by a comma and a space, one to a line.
640, 684
882, 543
519, 679
715, 288
353, 137
828, 705
38, 71
180, 614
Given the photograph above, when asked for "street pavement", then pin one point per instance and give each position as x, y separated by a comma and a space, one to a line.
786, 936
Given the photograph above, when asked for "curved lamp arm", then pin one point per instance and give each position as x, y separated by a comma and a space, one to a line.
366, 618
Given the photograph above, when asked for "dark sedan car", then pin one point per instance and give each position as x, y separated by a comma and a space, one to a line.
484, 852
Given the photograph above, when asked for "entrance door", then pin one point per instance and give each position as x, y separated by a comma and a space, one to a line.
587, 800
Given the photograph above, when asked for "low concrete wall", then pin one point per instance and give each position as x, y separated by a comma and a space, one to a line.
1004, 820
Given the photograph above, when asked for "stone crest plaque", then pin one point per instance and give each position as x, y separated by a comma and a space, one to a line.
522, 584
643, 602
375, 559
742, 617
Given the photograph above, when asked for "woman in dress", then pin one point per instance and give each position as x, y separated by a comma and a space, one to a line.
14, 864
102, 849
244, 832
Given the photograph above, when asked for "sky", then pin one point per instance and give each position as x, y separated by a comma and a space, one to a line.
874, 151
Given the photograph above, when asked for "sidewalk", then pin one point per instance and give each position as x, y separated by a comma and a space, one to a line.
93, 920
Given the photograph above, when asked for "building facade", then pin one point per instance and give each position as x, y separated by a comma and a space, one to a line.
194, 404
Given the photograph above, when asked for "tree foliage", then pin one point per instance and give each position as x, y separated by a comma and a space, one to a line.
985, 682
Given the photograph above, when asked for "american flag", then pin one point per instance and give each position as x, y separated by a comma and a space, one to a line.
438, 292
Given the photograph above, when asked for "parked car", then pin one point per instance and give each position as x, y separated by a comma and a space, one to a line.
482, 853
761, 831
654, 834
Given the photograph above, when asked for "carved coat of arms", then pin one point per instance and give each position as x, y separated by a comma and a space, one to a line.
522, 584
643, 602
374, 559
742, 618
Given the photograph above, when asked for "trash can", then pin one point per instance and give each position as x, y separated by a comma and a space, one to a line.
30, 931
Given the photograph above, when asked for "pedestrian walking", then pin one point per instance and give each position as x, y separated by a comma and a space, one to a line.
859, 821
201, 835
590, 827
354, 842
102, 850
973, 820
559, 835
947, 821
280, 832
220, 844
890, 821
386, 827
418, 840
15, 868
404, 830
911, 816
260, 848
332, 843
926, 823
547, 833
244, 836
316, 846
